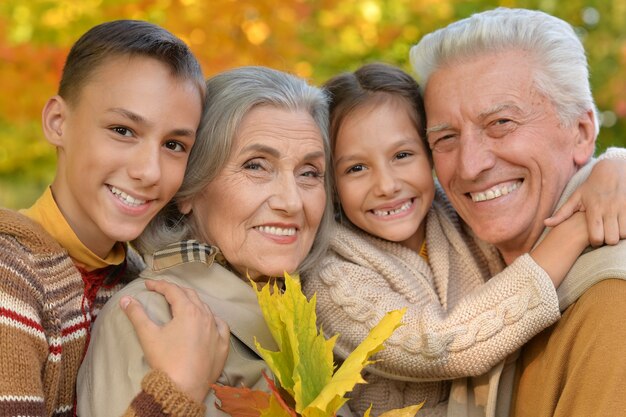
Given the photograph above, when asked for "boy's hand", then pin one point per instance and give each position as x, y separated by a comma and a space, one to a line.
192, 348
603, 199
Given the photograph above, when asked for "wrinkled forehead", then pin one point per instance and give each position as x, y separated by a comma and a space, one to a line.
481, 85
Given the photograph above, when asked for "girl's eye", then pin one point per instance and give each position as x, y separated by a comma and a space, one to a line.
124, 131
402, 155
175, 146
355, 168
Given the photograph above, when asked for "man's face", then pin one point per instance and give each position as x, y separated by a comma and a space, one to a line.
499, 148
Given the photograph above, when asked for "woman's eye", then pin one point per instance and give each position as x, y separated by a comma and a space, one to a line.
175, 146
313, 173
253, 165
124, 131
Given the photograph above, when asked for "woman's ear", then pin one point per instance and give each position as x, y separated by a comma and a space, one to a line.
53, 120
185, 206
585, 144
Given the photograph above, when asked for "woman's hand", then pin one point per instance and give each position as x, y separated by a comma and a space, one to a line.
603, 199
192, 348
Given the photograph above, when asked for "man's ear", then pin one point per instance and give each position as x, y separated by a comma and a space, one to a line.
585, 144
53, 119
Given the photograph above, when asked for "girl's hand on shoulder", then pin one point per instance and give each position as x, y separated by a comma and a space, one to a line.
603, 199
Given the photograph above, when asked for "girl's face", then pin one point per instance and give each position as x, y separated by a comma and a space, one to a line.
383, 173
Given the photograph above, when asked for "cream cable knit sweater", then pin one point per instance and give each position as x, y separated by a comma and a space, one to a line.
458, 321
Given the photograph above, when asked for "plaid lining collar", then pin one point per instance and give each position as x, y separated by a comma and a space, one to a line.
185, 252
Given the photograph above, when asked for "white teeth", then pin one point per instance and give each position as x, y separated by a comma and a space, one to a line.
278, 231
400, 209
495, 192
125, 198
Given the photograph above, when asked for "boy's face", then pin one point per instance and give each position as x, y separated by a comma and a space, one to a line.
383, 173
122, 148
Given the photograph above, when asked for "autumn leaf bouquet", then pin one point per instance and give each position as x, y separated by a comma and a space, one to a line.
307, 383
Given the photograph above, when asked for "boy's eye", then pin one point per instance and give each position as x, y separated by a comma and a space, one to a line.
122, 131
174, 146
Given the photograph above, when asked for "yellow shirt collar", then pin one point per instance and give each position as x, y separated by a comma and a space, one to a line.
46, 212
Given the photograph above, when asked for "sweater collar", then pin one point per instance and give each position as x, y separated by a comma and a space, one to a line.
46, 212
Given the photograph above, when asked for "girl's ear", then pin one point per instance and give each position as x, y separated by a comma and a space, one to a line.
585, 144
53, 120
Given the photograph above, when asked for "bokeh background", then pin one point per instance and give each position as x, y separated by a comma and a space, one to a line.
312, 38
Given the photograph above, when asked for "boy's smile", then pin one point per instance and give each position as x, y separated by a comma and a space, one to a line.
128, 135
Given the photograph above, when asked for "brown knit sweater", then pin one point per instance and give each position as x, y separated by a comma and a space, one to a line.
458, 321
46, 311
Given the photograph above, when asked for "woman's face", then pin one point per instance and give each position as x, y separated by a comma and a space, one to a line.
264, 207
383, 173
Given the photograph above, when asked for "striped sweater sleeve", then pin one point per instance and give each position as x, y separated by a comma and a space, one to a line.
40, 347
23, 346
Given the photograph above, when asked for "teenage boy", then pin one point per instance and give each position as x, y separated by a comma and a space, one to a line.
123, 123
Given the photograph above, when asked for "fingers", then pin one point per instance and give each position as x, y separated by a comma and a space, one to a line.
179, 298
607, 228
611, 231
139, 319
571, 206
222, 328
222, 347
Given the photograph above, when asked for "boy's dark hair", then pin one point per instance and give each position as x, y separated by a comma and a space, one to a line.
126, 38
371, 83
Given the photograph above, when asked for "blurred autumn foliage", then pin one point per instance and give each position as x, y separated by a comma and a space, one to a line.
312, 38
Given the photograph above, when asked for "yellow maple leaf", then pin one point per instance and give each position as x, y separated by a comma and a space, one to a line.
303, 366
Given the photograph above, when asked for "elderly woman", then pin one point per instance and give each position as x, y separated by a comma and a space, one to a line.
252, 205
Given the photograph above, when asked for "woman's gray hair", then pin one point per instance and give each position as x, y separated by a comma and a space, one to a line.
230, 96
561, 75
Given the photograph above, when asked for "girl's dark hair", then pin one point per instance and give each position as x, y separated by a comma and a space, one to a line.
368, 84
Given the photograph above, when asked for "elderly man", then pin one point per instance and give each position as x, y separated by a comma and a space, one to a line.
512, 127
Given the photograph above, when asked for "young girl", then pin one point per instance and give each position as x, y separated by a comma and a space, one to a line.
399, 243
